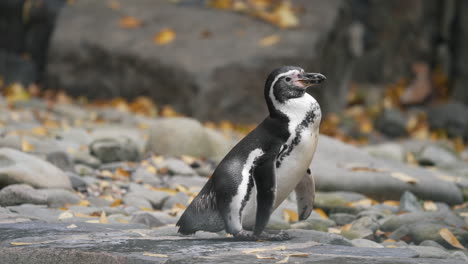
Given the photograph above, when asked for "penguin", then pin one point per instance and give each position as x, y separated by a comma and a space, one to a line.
268, 164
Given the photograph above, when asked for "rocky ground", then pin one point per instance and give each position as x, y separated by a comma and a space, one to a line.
84, 184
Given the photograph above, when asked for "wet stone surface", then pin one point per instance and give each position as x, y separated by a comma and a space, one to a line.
134, 244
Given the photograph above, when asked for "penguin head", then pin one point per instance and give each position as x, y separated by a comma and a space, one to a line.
289, 82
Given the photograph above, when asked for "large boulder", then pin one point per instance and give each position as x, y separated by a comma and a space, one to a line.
338, 166
186, 136
19, 167
214, 69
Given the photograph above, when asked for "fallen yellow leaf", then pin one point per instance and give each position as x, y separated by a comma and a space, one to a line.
39, 131
65, 215
321, 213
119, 172
404, 177
290, 215
103, 218
263, 249
151, 169
83, 215
450, 238
298, 255
269, 40
115, 203
20, 243
346, 227
83, 203
26, 146
264, 257
155, 255
392, 203
120, 220
164, 36
362, 202
333, 230
129, 22
429, 206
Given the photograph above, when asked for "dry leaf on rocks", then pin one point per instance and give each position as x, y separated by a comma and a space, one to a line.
129, 22
263, 250
103, 218
164, 37
321, 213
404, 177
450, 238
269, 40
155, 255
290, 215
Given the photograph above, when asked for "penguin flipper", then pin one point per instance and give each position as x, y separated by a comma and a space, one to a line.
305, 195
202, 213
265, 182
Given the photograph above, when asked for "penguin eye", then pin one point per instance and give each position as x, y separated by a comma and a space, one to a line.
288, 79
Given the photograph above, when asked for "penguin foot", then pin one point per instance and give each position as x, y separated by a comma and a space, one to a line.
250, 236
281, 236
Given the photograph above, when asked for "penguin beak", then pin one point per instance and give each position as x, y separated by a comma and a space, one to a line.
310, 79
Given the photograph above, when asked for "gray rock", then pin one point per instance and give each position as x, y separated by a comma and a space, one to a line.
84, 170
99, 202
179, 136
219, 144
342, 219
118, 219
156, 198
190, 182
37, 212
77, 135
177, 167
85, 158
398, 244
431, 243
359, 242
318, 224
59, 198
137, 201
409, 203
447, 218
450, 117
178, 198
338, 166
387, 151
17, 194
437, 156
114, 149
62, 160
459, 255
199, 74
363, 227
421, 232
142, 175
19, 167
322, 237
146, 219
430, 252
70, 111
337, 202
77, 181
391, 122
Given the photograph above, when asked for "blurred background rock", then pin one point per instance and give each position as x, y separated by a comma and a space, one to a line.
208, 59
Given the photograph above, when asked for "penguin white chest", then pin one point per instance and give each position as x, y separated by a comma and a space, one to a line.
293, 166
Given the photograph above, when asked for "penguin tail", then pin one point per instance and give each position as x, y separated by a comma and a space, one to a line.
202, 214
